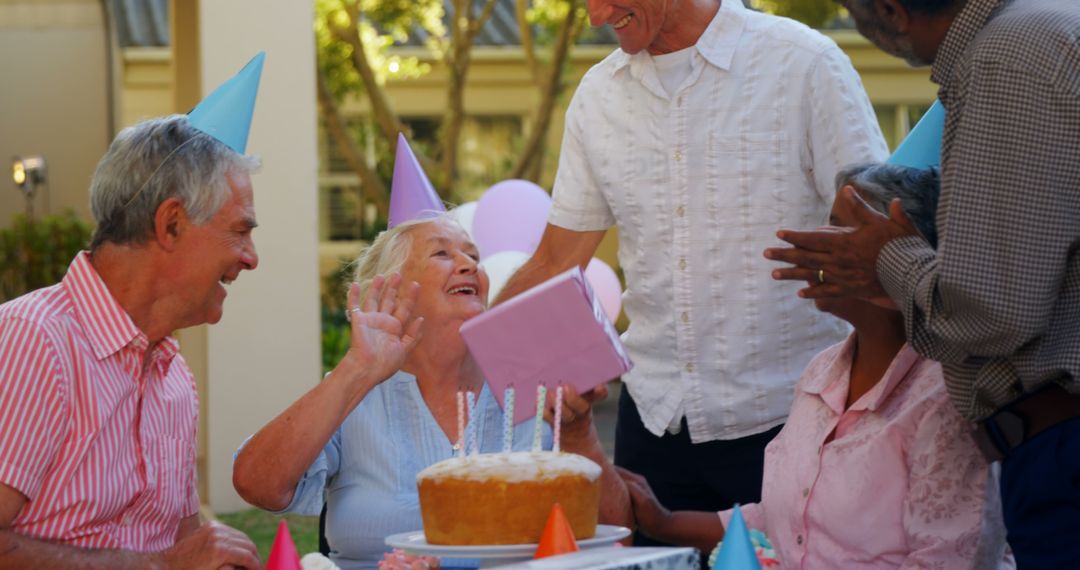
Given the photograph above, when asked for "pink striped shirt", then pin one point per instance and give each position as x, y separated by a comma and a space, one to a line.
97, 432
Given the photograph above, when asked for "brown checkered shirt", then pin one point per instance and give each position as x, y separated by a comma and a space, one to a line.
998, 303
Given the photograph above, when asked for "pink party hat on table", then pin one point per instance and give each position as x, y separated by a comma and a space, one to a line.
737, 552
283, 554
226, 113
411, 193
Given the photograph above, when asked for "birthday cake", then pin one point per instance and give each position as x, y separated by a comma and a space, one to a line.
505, 498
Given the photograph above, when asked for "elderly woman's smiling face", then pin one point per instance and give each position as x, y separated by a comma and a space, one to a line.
444, 261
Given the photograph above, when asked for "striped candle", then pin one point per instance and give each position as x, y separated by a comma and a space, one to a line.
471, 443
558, 418
541, 394
460, 447
508, 419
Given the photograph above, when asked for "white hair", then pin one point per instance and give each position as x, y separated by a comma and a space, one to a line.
151, 162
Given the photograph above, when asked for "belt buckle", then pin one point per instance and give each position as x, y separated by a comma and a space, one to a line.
999, 434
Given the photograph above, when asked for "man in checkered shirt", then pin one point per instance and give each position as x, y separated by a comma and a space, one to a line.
998, 302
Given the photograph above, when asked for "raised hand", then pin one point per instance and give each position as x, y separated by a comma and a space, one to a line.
212, 546
382, 332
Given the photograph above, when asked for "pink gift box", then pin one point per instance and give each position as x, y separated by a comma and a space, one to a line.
554, 333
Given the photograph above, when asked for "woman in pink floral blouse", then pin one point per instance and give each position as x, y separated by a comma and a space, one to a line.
874, 468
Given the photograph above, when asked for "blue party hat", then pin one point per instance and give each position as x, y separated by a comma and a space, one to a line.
736, 551
411, 193
922, 147
226, 113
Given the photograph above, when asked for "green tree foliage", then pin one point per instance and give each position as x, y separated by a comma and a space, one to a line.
354, 38
35, 253
813, 13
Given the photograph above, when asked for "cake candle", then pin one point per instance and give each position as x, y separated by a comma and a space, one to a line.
508, 419
472, 422
558, 417
541, 394
460, 447
478, 423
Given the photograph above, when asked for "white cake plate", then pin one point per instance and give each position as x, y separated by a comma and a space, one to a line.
414, 543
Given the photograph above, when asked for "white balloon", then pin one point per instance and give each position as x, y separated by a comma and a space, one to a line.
499, 267
463, 214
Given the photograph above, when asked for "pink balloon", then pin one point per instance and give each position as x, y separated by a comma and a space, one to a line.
510, 216
606, 286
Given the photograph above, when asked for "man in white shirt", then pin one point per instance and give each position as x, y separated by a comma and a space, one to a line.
711, 126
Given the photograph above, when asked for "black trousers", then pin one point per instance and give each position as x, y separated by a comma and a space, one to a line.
710, 476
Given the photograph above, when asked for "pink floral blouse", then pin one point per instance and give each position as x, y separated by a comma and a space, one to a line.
901, 485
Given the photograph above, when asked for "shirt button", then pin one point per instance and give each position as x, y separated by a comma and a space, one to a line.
806, 492
685, 317
682, 263
678, 155
680, 211
689, 366
798, 540
680, 101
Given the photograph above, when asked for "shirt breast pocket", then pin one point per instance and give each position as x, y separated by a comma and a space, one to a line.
750, 153
749, 171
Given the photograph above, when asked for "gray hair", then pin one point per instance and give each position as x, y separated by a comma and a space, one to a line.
151, 162
390, 249
917, 189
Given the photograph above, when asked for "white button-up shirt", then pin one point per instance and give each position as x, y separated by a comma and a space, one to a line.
698, 182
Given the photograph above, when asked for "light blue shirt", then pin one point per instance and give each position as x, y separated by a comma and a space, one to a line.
368, 468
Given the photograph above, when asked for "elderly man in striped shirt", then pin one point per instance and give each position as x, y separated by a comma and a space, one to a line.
998, 302
97, 408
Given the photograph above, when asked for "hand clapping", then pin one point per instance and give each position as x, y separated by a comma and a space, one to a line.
842, 262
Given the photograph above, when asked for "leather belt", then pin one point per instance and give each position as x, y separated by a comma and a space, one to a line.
1023, 419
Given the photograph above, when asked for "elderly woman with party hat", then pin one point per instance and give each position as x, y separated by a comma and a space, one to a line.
389, 409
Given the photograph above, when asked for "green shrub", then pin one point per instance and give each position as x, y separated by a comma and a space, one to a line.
335, 327
35, 253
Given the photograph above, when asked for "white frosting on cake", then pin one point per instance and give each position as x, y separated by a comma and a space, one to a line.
516, 466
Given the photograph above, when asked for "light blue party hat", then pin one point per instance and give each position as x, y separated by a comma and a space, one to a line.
411, 194
226, 113
736, 551
922, 147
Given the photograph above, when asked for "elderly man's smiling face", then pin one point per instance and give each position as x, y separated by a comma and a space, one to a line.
651, 25
212, 255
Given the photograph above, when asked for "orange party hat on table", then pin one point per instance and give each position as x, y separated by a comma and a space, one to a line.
558, 537
283, 554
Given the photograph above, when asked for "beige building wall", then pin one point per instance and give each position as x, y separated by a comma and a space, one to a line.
265, 351
54, 99
147, 82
